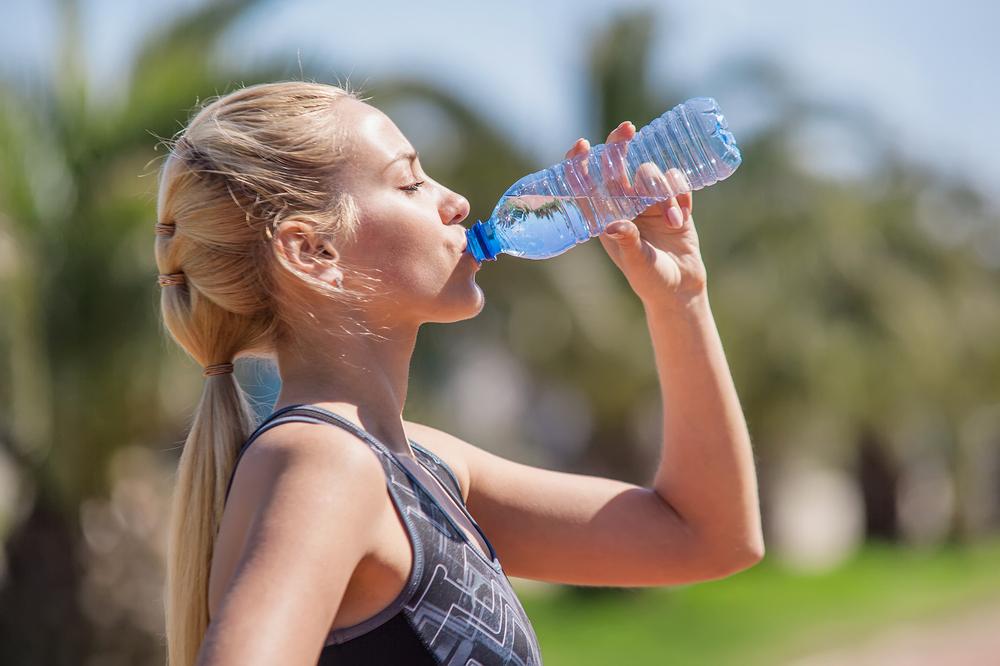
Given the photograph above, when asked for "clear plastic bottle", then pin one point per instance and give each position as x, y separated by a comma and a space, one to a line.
547, 212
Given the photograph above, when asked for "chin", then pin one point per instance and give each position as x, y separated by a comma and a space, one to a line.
459, 307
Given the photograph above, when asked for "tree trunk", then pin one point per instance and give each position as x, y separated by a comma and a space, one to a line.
40, 618
878, 475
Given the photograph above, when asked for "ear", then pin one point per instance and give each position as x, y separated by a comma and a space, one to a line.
332, 273
296, 239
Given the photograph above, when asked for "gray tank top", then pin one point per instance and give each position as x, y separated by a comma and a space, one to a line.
458, 607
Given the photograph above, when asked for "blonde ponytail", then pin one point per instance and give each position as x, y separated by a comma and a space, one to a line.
245, 161
223, 420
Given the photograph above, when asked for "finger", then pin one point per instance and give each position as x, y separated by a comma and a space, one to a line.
673, 213
577, 174
664, 213
581, 147
624, 132
655, 187
682, 188
651, 182
614, 163
628, 239
686, 201
679, 182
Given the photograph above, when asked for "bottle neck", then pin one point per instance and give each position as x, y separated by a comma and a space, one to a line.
482, 242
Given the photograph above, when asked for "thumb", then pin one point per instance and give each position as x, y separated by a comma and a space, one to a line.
625, 233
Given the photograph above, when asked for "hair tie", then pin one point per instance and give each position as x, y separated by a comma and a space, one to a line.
168, 279
163, 229
217, 369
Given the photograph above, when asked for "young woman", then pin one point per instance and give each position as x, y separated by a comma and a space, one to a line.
295, 221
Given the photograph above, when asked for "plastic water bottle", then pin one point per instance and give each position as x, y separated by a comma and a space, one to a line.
547, 212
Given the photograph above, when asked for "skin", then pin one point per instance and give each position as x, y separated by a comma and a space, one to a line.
698, 520
414, 236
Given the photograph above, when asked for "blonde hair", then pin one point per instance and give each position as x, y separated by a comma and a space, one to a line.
245, 162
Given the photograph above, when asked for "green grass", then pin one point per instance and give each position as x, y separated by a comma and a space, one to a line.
763, 615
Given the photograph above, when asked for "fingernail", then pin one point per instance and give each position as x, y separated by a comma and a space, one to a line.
674, 217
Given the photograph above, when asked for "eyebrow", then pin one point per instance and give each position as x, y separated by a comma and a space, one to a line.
405, 155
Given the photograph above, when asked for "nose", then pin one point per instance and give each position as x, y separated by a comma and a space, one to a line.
456, 208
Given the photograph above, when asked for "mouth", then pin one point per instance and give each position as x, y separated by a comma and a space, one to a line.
468, 256
465, 251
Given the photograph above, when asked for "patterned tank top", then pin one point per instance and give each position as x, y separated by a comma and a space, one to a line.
458, 607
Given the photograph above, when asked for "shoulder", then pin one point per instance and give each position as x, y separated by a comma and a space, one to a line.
456, 452
305, 509
312, 463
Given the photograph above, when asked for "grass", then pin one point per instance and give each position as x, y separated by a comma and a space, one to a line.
761, 616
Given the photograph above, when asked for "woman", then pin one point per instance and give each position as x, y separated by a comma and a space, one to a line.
295, 221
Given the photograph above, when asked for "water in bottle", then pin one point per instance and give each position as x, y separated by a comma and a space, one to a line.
547, 212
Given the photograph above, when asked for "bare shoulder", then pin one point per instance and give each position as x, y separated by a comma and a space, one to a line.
315, 454
293, 478
453, 450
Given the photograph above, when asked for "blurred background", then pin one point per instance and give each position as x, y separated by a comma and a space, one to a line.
854, 266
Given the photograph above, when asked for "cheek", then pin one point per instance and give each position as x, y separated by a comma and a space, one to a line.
401, 249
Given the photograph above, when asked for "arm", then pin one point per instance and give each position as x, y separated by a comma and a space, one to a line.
314, 521
706, 471
700, 520
578, 529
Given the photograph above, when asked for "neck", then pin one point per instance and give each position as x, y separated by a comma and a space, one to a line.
361, 377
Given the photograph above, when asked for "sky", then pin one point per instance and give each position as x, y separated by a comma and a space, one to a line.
928, 77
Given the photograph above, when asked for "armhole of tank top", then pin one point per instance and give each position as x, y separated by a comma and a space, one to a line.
441, 463
344, 634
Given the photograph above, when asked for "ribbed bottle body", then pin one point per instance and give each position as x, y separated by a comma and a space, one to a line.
546, 213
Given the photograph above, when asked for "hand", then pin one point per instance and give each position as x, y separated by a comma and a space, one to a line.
657, 251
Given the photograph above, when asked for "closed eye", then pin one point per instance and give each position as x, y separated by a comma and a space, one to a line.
414, 187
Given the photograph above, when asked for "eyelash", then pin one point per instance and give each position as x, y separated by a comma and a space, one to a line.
414, 187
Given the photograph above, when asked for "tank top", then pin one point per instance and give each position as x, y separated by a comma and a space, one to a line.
457, 607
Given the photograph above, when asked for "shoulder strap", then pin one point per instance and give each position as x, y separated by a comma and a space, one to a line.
305, 414
448, 478
313, 414
273, 420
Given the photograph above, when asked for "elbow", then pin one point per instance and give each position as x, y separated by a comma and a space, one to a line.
732, 559
744, 557
754, 553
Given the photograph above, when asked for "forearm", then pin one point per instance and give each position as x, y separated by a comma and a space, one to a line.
706, 471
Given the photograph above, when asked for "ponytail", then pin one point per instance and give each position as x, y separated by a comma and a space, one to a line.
222, 422
244, 162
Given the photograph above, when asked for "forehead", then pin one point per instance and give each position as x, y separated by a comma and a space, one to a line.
375, 138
